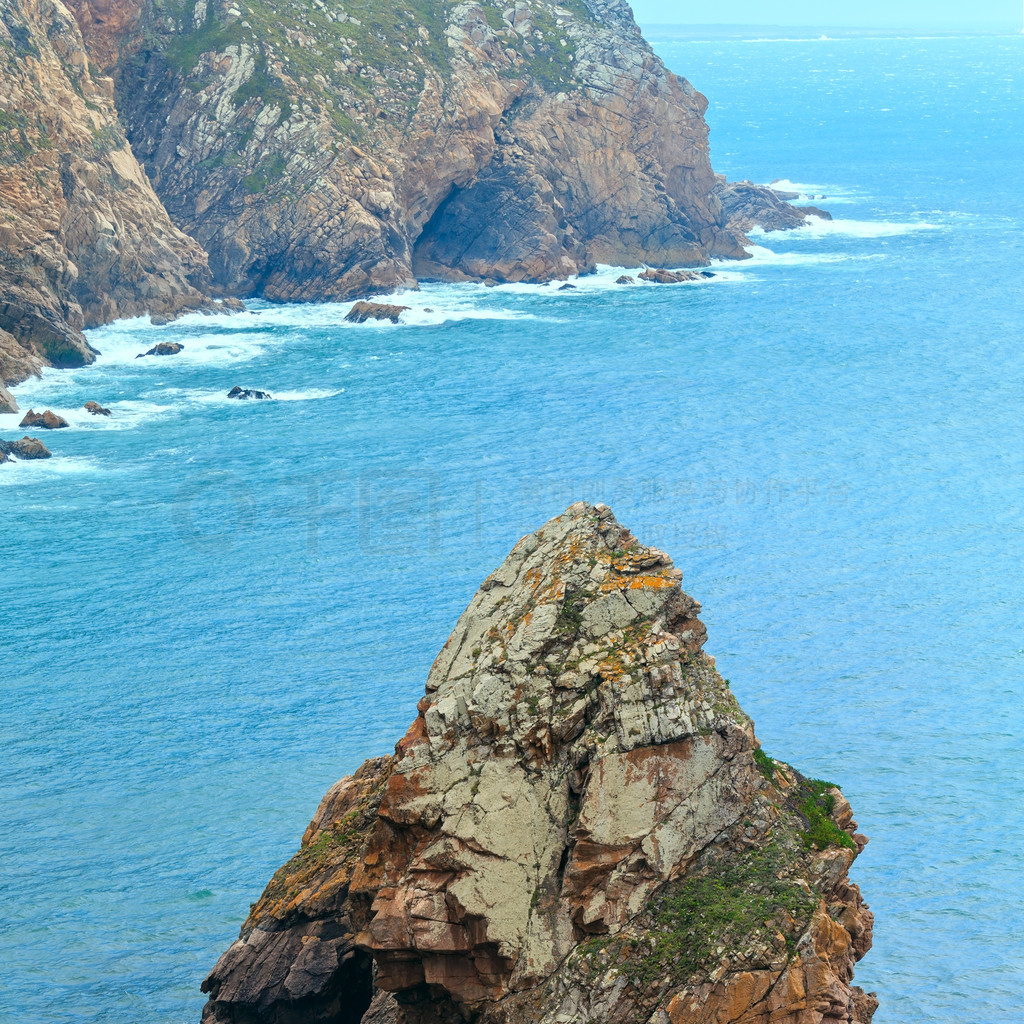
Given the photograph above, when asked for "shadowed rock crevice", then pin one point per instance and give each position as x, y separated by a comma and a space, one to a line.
578, 825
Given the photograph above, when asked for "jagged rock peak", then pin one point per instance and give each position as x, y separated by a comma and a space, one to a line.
578, 825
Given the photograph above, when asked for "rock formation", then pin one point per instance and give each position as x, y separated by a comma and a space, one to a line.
47, 420
83, 237
578, 826
363, 311
162, 348
747, 205
249, 393
26, 448
96, 409
659, 275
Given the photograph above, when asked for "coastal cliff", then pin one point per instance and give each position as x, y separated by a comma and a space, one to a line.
322, 150
83, 237
579, 825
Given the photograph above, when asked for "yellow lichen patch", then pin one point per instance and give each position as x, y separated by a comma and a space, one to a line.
636, 583
533, 577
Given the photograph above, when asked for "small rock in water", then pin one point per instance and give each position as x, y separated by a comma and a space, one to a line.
363, 311
567, 287
164, 348
26, 448
242, 393
232, 305
625, 279
96, 409
662, 276
47, 420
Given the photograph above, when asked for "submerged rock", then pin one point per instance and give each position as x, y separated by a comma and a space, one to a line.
164, 348
363, 311
578, 826
567, 287
660, 276
26, 448
625, 279
96, 409
47, 420
247, 393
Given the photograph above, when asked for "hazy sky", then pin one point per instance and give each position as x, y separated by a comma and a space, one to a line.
957, 14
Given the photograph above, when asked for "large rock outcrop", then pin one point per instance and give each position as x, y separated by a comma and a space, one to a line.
578, 826
322, 150
83, 237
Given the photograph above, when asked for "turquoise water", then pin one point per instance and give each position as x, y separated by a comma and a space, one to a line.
212, 610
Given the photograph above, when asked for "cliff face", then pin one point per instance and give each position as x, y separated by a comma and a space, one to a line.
578, 825
322, 149
83, 237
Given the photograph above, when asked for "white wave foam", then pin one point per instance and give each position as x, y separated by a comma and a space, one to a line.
817, 227
834, 195
762, 256
306, 396
19, 472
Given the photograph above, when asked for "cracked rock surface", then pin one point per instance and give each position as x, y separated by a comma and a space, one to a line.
578, 826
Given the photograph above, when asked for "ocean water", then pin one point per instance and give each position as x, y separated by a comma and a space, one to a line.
212, 610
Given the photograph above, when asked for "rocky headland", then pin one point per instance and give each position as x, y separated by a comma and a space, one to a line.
155, 152
579, 825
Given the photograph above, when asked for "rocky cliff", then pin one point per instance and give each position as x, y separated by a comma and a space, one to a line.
83, 237
319, 150
579, 825
323, 149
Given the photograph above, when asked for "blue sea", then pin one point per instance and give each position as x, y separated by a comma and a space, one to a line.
214, 609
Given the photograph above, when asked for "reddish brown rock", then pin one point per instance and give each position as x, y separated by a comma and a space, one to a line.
163, 348
96, 409
578, 826
661, 276
26, 448
363, 311
47, 420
